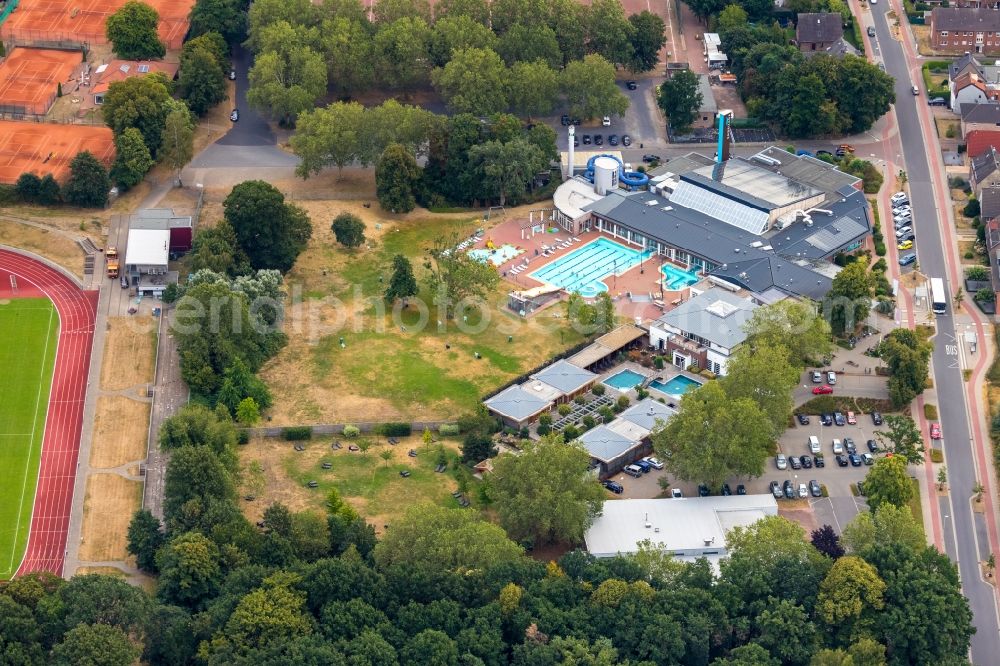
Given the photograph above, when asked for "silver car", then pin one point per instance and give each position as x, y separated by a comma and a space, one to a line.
781, 461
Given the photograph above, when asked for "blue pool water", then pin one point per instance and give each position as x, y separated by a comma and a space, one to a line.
583, 269
624, 380
497, 255
676, 278
677, 386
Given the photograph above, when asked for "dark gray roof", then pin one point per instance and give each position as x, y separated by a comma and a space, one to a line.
957, 66
985, 165
682, 164
646, 413
839, 48
989, 203
965, 18
565, 376
981, 112
517, 403
708, 104
819, 28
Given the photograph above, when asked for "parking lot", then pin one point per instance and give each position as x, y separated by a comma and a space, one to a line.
838, 509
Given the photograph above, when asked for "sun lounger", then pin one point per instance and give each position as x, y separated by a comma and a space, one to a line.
457, 494
412, 453
404, 473
576, 239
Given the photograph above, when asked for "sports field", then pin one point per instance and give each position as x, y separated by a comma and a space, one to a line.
29, 329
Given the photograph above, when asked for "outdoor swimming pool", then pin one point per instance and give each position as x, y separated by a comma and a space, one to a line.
624, 380
583, 269
676, 278
677, 386
496, 256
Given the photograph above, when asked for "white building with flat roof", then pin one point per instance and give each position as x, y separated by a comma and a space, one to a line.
687, 527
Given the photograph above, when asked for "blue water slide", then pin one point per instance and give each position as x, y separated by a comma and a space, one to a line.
632, 179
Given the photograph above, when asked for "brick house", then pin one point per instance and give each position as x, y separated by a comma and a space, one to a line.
818, 32
968, 29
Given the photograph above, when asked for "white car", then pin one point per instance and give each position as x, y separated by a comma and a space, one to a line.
803, 491
902, 232
654, 463
897, 197
606, 121
676, 493
838, 447
781, 461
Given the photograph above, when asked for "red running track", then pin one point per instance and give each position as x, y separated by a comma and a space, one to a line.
77, 310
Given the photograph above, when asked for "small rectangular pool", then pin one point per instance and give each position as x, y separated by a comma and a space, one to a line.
677, 386
624, 380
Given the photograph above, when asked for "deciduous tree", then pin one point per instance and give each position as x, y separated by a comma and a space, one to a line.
764, 375
224, 17
189, 569
850, 596
132, 32
328, 136
474, 81
888, 524
648, 39
349, 230
715, 437
546, 494
201, 83
533, 88
610, 31
287, 81
530, 43
590, 88
177, 147
88, 185
140, 102
849, 300
888, 482
453, 33
402, 50
456, 277
680, 99
96, 644
216, 249
145, 537
902, 437
132, 159
402, 284
793, 324
397, 178
271, 232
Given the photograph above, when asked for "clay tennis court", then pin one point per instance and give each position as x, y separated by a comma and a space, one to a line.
82, 21
30, 78
45, 148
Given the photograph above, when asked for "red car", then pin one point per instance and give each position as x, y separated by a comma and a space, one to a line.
823, 390
935, 431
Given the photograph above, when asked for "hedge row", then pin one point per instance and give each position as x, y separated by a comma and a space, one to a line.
297, 433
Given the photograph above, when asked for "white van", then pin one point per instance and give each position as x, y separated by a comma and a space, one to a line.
814, 447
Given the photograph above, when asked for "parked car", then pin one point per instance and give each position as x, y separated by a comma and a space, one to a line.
877, 418
855, 459
651, 158
814, 488
871, 31
703, 490
935, 431
741, 489
643, 465
850, 445
564, 120
831, 377
872, 446
726, 490
839, 419
907, 259
905, 245
898, 196
789, 489
614, 487
654, 462
612, 139
235, 115
626, 140
803, 419
633, 471
232, 75
806, 462
822, 390
817, 377
904, 231
867, 458
938, 101
915, 90
838, 447
819, 461
676, 493
851, 419
606, 121
907, 237
803, 491
842, 460
587, 140
794, 462
781, 461
598, 140
631, 85
826, 419
776, 490
814, 446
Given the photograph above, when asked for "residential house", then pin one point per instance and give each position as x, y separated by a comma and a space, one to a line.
688, 527
967, 63
704, 331
624, 440
989, 203
979, 141
520, 405
985, 171
993, 248
965, 29
971, 88
708, 109
979, 117
119, 70
818, 32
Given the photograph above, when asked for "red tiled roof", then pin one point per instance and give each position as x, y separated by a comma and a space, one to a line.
979, 141
119, 70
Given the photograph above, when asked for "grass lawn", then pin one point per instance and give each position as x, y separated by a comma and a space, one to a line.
369, 483
915, 507
29, 329
394, 366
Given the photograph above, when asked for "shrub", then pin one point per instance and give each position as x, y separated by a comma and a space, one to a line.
970, 255
641, 393
972, 208
243, 437
544, 429
937, 456
589, 422
623, 402
606, 413
598, 389
523, 433
880, 266
570, 433
394, 429
951, 131
707, 374
930, 411
545, 420
351, 431
448, 429
564, 409
985, 296
977, 273
659, 363
880, 249
580, 400
296, 433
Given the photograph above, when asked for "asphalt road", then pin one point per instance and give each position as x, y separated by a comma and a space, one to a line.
960, 524
251, 129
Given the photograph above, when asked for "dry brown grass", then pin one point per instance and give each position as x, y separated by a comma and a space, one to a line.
943, 124
183, 200
53, 246
108, 505
922, 35
216, 122
104, 571
129, 352
800, 512
121, 426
